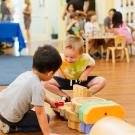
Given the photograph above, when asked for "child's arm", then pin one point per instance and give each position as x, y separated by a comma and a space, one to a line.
49, 101
86, 6
59, 74
89, 67
42, 119
71, 24
81, 12
86, 73
52, 86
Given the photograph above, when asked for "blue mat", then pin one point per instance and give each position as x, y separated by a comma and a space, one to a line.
12, 66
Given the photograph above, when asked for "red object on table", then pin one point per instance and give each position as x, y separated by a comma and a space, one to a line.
59, 104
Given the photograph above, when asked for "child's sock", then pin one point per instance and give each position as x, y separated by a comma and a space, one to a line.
4, 128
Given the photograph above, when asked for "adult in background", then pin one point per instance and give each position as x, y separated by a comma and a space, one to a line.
6, 11
81, 7
108, 20
27, 19
6, 16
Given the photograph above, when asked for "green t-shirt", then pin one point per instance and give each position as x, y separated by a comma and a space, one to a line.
73, 71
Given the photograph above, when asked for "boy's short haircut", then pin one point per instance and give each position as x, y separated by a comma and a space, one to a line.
89, 15
74, 15
46, 59
112, 9
75, 43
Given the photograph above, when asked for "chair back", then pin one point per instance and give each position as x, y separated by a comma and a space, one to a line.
120, 41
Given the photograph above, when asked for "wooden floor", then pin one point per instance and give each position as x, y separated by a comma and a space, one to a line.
120, 88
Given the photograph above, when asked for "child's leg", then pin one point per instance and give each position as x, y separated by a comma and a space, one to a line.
55, 86
29, 123
91, 46
96, 84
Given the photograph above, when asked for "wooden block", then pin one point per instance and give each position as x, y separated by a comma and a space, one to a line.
78, 102
72, 116
63, 110
75, 125
80, 91
90, 113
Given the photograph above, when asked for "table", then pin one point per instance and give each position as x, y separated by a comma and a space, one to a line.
102, 36
9, 31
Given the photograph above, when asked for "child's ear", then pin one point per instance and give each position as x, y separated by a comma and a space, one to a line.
50, 73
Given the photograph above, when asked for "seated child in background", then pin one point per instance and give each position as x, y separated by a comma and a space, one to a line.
76, 69
73, 28
91, 28
120, 28
27, 92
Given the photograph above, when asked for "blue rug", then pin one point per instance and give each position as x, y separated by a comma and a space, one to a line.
12, 66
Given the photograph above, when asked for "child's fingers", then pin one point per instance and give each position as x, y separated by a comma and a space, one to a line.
82, 80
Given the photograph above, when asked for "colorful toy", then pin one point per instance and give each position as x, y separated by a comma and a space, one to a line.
80, 91
83, 112
59, 104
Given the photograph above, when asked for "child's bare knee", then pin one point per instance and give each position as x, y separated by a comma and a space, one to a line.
102, 82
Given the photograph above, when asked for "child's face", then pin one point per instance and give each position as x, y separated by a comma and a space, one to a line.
71, 56
93, 18
71, 8
111, 13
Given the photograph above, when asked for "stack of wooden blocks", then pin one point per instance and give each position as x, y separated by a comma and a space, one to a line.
84, 111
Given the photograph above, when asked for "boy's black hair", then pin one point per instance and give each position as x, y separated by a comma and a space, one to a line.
113, 9
46, 59
117, 19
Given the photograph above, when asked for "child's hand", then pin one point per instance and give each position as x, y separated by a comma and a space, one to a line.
78, 12
74, 21
83, 78
52, 103
67, 97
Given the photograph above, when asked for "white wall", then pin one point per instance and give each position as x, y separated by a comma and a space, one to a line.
44, 17
100, 10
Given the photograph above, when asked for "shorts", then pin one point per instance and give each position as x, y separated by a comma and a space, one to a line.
66, 84
29, 123
27, 21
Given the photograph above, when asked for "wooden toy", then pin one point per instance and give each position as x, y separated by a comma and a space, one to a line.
62, 110
78, 102
72, 116
91, 112
75, 125
80, 91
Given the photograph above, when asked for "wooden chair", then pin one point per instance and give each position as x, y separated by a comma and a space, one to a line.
119, 45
